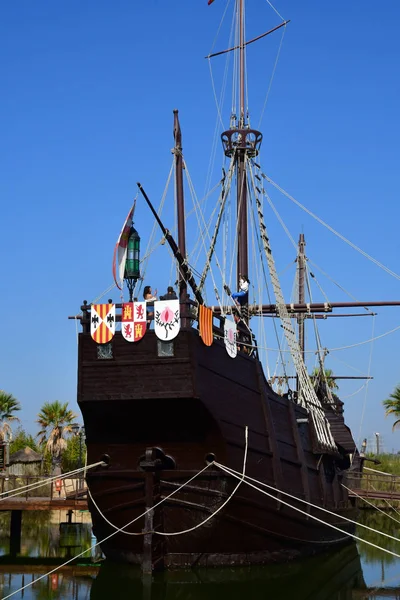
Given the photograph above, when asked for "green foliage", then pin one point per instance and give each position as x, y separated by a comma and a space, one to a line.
74, 455
392, 406
21, 440
55, 420
8, 406
328, 375
389, 463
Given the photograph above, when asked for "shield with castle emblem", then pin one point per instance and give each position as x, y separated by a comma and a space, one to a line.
133, 321
102, 322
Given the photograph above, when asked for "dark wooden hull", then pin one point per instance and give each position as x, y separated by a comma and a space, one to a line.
191, 407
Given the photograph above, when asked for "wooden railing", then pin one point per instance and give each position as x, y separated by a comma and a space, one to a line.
374, 485
71, 487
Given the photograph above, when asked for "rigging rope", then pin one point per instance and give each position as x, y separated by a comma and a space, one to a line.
331, 229
274, 9
272, 77
308, 397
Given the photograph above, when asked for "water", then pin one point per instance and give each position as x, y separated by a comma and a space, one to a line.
355, 572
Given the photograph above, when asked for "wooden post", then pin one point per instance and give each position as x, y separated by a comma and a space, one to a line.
153, 545
15, 532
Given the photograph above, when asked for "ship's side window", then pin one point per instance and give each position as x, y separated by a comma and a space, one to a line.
104, 351
165, 348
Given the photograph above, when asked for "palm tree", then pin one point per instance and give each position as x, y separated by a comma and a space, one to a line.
392, 406
328, 376
8, 406
55, 420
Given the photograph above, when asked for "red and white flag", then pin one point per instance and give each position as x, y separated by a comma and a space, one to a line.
121, 249
133, 321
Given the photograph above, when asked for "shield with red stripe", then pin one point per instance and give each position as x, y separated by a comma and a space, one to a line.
102, 322
133, 321
205, 324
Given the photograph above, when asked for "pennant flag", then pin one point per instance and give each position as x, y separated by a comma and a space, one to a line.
102, 322
205, 324
210, 2
133, 321
230, 337
121, 249
167, 321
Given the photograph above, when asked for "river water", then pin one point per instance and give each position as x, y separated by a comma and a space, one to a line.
355, 572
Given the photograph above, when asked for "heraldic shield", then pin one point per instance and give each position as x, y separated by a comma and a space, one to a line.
167, 321
102, 322
133, 321
230, 337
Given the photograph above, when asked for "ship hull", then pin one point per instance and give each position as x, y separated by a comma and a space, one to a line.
158, 414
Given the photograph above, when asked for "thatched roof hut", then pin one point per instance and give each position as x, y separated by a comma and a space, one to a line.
25, 462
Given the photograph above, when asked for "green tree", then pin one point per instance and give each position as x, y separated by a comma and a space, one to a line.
55, 420
392, 406
328, 375
21, 440
8, 406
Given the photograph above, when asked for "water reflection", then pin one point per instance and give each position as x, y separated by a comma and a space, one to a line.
335, 576
42, 534
327, 577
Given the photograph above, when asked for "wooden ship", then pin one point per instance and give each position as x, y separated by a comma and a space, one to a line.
160, 413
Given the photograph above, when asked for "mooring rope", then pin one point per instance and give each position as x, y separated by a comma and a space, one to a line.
180, 487
236, 474
119, 530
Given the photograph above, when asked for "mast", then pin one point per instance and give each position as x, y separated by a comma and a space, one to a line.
241, 64
301, 266
242, 251
180, 201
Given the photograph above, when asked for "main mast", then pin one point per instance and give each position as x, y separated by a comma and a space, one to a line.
301, 266
241, 142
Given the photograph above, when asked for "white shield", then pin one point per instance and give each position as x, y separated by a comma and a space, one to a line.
230, 337
167, 321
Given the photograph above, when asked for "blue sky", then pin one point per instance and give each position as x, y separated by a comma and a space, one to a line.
86, 111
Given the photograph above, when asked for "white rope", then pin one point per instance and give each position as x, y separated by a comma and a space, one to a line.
364, 499
32, 486
309, 515
274, 9
122, 529
272, 77
224, 503
281, 221
155, 225
339, 235
103, 540
380, 472
215, 94
360, 389
180, 487
336, 283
